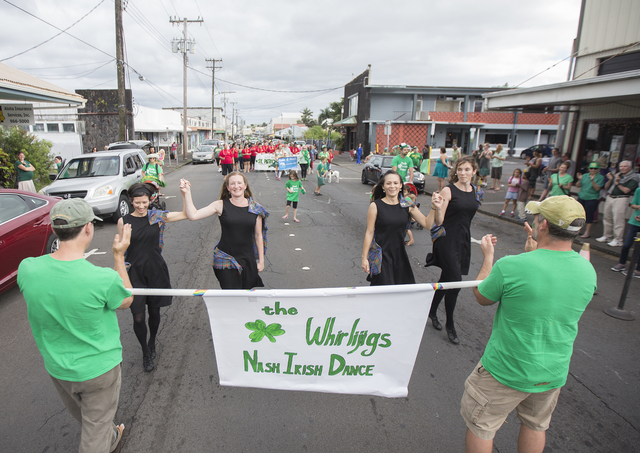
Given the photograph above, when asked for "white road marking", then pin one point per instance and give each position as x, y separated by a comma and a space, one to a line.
93, 252
286, 223
291, 235
297, 249
306, 268
167, 197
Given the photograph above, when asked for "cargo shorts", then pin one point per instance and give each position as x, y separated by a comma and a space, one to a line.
486, 403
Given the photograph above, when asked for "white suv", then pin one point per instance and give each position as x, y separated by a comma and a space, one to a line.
102, 179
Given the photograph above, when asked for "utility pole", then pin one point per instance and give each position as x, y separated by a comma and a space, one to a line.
213, 80
233, 116
184, 45
122, 112
224, 95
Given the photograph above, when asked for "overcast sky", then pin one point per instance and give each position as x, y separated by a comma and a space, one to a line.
286, 46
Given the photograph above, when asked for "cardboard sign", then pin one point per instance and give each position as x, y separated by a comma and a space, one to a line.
336, 340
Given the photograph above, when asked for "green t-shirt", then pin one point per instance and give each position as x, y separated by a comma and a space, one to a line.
24, 175
636, 201
564, 180
587, 192
321, 169
303, 156
415, 157
542, 295
71, 308
296, 187
498, 162
216, 153
152, 170
403, 164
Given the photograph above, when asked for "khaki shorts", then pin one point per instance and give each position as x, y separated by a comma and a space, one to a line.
486, 404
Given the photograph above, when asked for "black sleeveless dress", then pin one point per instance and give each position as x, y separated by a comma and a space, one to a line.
238, 227
148, 268
390, 227
452, 252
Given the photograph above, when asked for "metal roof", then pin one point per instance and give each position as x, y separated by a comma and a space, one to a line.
16, 85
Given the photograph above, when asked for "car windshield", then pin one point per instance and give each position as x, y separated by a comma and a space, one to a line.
87, 167
386, 161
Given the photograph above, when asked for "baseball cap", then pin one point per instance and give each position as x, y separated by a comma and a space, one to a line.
595, 165
75, 211
559, 211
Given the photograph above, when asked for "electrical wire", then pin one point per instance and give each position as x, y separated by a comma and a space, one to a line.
82, 74
62, 67
54, 36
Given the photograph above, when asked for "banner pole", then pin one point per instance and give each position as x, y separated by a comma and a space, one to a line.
256, 293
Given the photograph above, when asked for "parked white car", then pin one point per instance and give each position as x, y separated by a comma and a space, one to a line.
102, 179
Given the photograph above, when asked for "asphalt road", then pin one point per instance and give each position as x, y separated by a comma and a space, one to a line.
181, 407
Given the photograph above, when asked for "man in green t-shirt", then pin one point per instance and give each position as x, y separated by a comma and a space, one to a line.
71, 309
541, 294
403, 164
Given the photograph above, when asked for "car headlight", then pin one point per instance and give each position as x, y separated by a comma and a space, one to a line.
420, 177
103, 191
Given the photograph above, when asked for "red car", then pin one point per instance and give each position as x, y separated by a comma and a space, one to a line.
25, 230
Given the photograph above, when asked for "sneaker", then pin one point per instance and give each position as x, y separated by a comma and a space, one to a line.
618, 267
615, 243
603, 239
636, 274
511, 213
502, 213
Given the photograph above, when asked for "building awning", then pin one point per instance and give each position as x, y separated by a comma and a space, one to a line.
348, 121
622, 86
16, 85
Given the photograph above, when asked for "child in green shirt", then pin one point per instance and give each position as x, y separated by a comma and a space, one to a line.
294, 187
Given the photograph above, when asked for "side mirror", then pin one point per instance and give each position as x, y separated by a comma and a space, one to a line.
52, 177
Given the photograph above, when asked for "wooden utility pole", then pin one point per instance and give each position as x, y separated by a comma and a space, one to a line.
213, 80
184, 45
233, 115
122, 112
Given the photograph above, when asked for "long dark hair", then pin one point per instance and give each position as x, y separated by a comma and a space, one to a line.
224, 192
462, 160
378, 190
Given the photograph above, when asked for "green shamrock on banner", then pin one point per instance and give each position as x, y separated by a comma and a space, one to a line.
261, 330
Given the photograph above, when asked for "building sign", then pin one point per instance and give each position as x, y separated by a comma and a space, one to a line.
16, 115
336, 340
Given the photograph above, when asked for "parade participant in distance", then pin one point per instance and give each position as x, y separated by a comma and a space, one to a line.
236, 155
551, 169
25, 174
252, 160
279, 153
147, 268
533, 171
484, 164
384, 257
226, 160
542, 295
71, 309
303, 161
239, 256
403, 164
589, 195
152, 171
321, 173
452, 252
246, 158
359, 153
442, 168
294, 187
620, 189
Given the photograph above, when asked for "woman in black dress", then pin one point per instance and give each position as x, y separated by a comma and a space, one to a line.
239, 256
384, 256
452, 252
147, 268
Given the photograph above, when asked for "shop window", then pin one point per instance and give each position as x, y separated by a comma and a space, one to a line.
494, 139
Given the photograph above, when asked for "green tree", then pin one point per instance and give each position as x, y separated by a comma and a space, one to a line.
36, 151
334, 111
7, 171
315, 133
307, 117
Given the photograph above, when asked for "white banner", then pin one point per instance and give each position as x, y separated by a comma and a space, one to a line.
16, 115
336, 340
265, 161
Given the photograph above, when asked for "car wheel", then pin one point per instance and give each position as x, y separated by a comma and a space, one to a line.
364, 178
123, 208
53, 244
193, 162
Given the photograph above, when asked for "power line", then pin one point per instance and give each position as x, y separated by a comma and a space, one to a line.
54, 36
62, 67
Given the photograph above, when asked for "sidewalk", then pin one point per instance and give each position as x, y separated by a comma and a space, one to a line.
494, 201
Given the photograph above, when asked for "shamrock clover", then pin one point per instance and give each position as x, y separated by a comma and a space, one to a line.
261, 330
